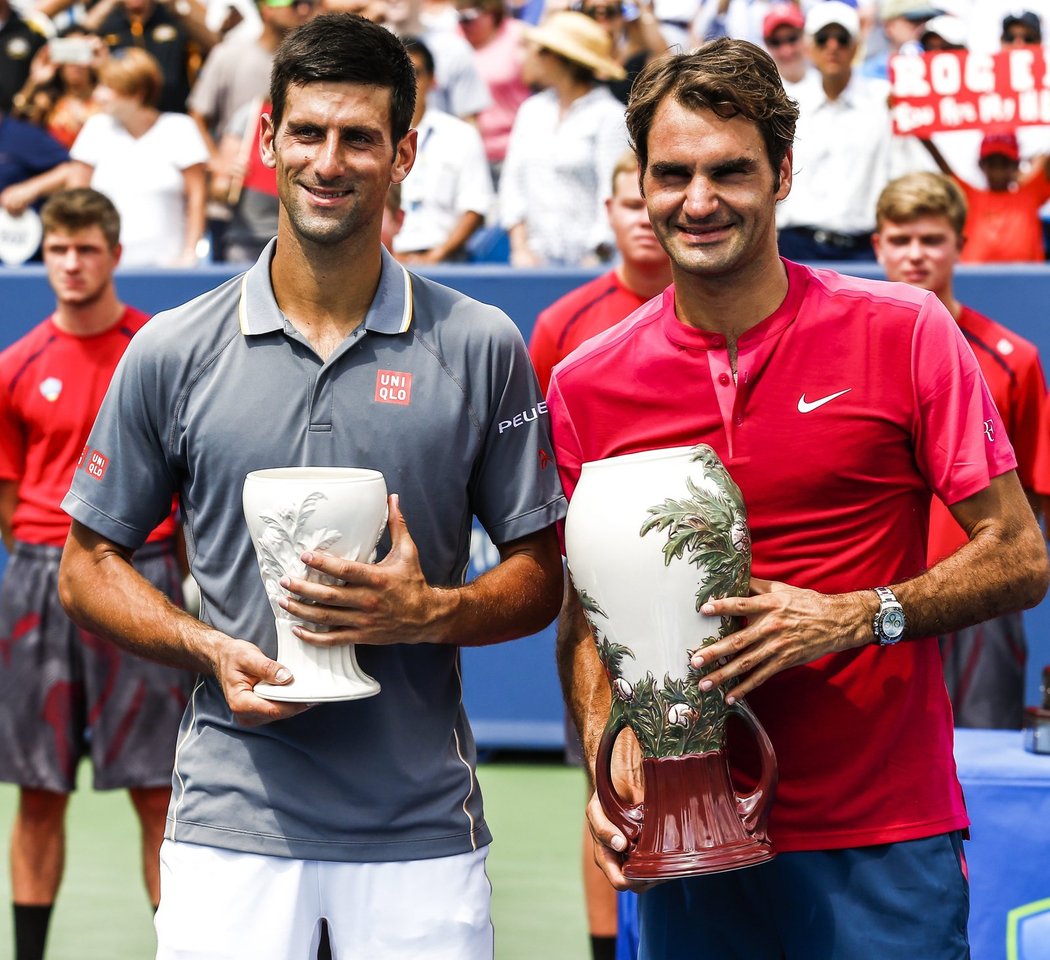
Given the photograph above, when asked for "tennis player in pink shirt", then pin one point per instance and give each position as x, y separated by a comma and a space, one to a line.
838, 406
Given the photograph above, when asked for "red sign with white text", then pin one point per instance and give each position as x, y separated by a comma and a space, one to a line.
958, 90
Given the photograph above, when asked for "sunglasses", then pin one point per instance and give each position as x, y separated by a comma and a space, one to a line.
469, 14
609, 11
785, 41
1019, 36
842, 38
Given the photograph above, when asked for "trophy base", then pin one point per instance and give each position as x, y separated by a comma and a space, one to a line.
695, 863
318, 692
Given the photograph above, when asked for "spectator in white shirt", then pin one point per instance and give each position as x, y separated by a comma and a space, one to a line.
149, 163
563, 147
842, 147
449, 191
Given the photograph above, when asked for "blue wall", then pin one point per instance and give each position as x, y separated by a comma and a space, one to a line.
512, 690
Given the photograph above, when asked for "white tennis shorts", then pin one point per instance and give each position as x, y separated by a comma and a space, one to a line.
224, 905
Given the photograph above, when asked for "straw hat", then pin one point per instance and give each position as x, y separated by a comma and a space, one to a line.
580, 39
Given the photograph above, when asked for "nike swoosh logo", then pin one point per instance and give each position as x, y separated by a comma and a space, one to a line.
805, 406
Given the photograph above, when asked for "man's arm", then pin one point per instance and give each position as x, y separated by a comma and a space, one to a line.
1002, 568
583, 682
461, 232
391, 602
585, 688
937, 157
195, 190
17, 197
105, 594
8, 502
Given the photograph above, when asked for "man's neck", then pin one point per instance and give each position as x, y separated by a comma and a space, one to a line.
325, 291
645, 280
90, 319
954, 307
731, 304
833, 86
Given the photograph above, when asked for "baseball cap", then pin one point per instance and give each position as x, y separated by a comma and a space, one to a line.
822, 15
950, 29
782, 15
1024, 18
914, 10
1001, 144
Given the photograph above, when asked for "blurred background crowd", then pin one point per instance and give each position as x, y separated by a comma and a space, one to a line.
157, 103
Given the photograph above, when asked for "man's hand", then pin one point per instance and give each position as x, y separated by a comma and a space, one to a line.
609, 847
17, 198
239, 666
786, 626
386, 602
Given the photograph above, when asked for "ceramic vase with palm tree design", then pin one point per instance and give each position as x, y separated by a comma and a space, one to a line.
289, 510
650, 537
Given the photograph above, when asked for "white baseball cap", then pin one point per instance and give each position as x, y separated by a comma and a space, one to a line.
822, 15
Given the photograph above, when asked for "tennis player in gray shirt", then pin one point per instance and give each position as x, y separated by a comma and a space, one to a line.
364, 814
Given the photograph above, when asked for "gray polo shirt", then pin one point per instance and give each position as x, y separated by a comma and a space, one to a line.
437, 392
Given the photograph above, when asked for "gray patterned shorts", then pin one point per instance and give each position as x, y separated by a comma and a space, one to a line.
67, 694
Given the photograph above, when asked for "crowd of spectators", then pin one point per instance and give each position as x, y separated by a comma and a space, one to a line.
540, 84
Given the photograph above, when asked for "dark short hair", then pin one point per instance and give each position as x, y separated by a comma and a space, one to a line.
729, 77
345, 48
81, 209
418, 47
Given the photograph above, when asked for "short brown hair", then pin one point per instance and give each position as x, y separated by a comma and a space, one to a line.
921, 194
728, 77
80, 209
134, 73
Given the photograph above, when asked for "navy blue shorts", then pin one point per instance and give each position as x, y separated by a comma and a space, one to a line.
898, 901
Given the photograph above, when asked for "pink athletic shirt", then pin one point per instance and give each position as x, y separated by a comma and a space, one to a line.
854, 400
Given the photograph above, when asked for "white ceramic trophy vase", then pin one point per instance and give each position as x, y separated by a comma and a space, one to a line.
649, 538
337, 510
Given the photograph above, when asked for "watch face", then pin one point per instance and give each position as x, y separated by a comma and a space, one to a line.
893, 624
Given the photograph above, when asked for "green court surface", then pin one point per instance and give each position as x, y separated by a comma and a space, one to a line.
533, 807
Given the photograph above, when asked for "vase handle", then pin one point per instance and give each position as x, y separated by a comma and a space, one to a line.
627, 818
754, 808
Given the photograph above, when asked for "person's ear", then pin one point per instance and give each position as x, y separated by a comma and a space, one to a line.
266, 142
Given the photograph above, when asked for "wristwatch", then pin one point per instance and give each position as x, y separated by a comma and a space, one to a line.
889, 623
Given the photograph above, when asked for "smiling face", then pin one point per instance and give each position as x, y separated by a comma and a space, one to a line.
922, 252
335, 159
711, 191
80, 265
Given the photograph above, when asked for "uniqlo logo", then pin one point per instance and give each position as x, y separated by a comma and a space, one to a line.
393, 387
94, 463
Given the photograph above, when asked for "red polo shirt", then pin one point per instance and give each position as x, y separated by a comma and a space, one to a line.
854, 400
1011, 368
578, 316
51, 386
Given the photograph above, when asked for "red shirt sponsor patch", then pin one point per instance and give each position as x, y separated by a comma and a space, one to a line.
393, 387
